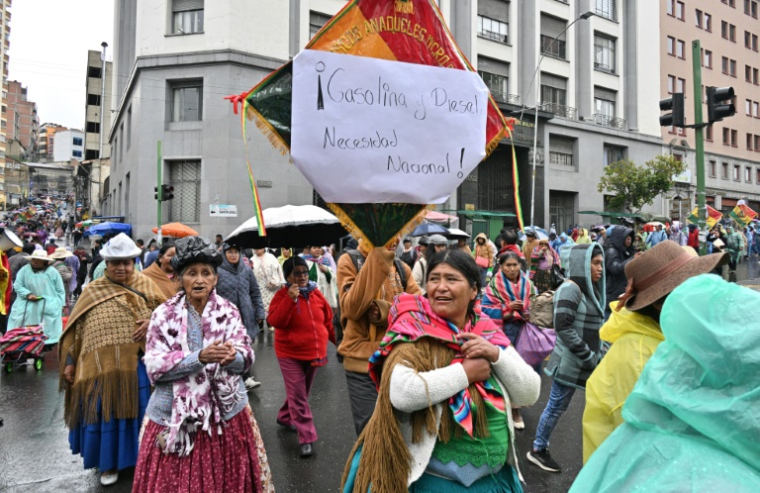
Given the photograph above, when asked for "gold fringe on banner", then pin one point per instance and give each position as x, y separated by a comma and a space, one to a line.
272, 136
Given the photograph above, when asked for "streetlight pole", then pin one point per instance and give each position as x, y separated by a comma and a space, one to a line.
533, 79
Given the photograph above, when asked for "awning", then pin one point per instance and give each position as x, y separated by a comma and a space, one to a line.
438, 217
485, 214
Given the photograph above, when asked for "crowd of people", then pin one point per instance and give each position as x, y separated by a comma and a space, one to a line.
436, 341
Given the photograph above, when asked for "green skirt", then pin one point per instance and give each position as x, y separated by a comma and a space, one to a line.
504, 481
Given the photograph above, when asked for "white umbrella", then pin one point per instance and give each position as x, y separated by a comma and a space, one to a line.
457, 233
290, 226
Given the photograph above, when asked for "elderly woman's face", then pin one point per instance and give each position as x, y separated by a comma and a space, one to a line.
198, 280
120, 270
449, 292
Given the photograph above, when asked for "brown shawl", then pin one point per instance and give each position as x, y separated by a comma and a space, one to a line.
385, 462
98, 338
166, 285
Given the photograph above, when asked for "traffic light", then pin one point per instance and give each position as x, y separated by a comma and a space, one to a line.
155, 189
717, 109
167, 192
676, 118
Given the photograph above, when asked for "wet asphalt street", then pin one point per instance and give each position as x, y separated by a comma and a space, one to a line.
35, 457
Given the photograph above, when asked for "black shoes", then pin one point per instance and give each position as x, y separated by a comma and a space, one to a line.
290, 427
543, 459
307, 450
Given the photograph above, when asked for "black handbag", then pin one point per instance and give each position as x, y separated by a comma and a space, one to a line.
557, 276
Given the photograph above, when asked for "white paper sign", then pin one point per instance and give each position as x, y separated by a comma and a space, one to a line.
370, 130
222, 210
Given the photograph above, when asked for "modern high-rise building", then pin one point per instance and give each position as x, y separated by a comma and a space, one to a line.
592, 62
5, 29
98, 112
728, 31
68, 144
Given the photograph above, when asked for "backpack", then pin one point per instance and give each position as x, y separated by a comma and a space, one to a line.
358, 259
542, 309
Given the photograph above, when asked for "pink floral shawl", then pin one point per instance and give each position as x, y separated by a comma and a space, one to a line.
203, 399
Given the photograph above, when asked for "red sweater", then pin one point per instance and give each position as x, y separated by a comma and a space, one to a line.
302, 328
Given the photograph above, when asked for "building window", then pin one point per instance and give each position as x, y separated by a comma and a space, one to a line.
709, 133
726, 137
187, 102
748, 175
94, 72
755, 109
680, 49
606, 9
754, 42
680, 11
185, 177
707, 61
92, 127
754, 76
77, 154
77, 141
553, 39
187, 16
698, 18
724, 170
708, 22
713, 166
561, 151
724, 64
604, 102
613, 154
493, 20
495, 74
681, 86
121, 143
732, 33
316, 21
734, 138
724, 29
748, 73
671, 84
757, 178
553, 93
604, 53
749, 142
93, 99
748, 107
129, 127
671, 45
737, 171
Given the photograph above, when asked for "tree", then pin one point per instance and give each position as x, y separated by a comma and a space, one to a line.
636, 186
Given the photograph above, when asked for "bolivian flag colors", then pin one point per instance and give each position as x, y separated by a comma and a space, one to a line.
713, 216
743, 215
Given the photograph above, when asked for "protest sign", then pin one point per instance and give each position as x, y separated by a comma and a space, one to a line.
395, 132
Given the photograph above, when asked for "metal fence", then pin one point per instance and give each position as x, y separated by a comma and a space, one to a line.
610, 121
185, 177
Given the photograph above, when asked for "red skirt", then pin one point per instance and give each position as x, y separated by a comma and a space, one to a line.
234, 461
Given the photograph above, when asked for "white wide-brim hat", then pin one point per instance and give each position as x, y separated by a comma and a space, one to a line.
40, 255
120, 247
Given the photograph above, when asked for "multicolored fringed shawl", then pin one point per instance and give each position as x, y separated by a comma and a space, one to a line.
501, 291
412, 318
203, 399
535, 257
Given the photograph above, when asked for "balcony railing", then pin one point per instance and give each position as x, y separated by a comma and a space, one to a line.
603, 67
503, 97
560, 110
610, 121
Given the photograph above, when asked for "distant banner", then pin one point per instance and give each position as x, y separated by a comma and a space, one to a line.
743, 215
713, 216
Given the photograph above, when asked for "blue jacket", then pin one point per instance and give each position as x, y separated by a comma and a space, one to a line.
238, 285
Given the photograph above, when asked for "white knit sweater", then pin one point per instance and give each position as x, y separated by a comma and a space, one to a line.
411, 391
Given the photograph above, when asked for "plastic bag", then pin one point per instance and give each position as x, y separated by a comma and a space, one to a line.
535, 344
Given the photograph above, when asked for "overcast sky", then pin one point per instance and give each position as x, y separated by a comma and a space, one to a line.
48, 54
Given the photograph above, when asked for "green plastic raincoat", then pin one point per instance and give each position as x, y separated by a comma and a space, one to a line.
691, 422
634, 338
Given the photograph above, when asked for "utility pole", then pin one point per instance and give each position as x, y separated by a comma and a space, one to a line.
696, 55
159, 191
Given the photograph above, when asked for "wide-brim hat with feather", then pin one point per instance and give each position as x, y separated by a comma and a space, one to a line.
657, 272
194, 250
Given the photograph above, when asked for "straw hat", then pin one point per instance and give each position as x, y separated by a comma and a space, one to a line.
120, 247
61, 253
657, 272
40, 255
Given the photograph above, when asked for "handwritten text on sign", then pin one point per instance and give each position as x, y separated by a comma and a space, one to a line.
370, 130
